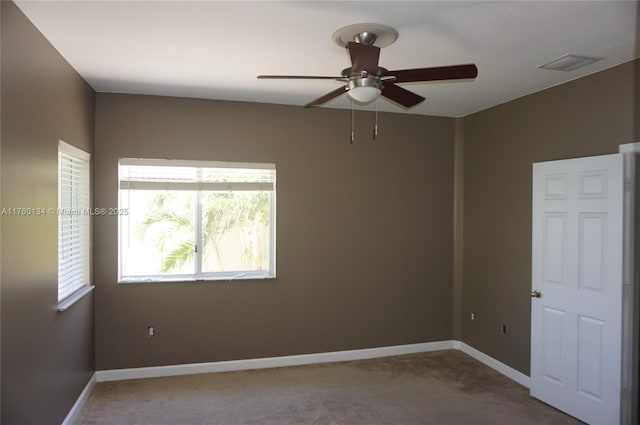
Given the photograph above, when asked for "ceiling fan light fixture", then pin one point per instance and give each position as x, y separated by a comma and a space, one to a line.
364, 95
364, 90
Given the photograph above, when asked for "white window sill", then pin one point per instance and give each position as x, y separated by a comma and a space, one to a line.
75, 297
190, 279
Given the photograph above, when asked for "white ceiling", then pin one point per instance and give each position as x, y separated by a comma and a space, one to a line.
215, 49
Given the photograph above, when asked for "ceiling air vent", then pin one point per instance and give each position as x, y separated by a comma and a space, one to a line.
569, 63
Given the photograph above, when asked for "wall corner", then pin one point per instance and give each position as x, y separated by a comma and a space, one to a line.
458, 209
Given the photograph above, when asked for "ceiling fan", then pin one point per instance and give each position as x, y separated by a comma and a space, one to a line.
365, 80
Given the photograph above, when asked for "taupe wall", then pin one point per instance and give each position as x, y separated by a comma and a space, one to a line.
47, 357
589, 116
364, 233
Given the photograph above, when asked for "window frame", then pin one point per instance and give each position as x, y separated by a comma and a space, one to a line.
198, 275
78, 208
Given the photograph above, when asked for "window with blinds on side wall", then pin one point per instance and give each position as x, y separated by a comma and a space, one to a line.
73, 221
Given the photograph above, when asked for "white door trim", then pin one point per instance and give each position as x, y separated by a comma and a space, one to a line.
630, 294
629, 148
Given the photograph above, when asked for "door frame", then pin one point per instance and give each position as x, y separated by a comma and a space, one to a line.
630, 286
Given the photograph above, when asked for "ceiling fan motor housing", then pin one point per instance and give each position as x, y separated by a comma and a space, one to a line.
364, 81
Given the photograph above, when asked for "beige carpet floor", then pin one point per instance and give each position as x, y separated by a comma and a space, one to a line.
439, 388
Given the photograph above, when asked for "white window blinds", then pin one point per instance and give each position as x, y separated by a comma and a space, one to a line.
73, 220
151, 174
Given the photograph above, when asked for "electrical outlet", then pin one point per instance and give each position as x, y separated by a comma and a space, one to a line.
503, 329
150, 331
473, 316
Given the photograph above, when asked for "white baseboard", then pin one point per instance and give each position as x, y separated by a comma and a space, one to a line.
270, 362
508, 371
82, 399
304, 359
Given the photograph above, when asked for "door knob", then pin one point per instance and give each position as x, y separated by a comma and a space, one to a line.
535, 294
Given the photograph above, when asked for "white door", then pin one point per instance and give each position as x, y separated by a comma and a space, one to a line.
576, 296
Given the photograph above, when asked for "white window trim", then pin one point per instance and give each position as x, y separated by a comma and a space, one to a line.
195, 163
207, 276
68, 149
75, 296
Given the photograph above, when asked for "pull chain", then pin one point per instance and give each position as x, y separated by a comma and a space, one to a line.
375, 123
353, 133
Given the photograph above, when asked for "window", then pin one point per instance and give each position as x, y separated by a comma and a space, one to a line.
195, 220
73, 223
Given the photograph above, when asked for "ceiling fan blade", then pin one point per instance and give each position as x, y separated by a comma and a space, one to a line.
402, 96
364, 57
454, 72
327, 97
296, 77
